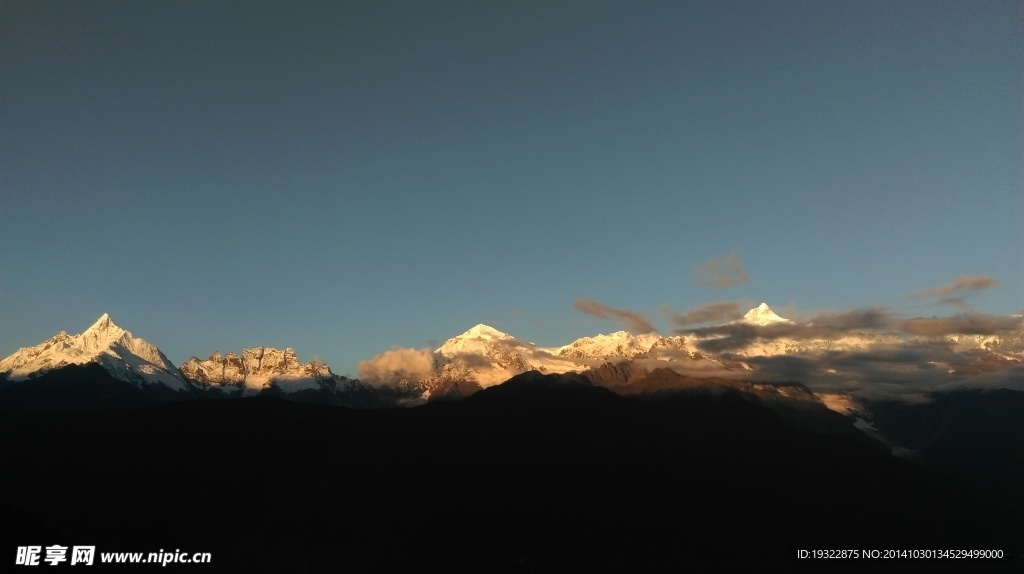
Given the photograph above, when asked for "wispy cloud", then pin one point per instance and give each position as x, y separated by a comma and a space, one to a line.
722, 272
720, 311
907, 371
632, 320
885, 373
735, 336
962, 284
1009, 378
963, 324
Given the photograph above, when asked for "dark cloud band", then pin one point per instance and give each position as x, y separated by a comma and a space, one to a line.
632, 320
962, 284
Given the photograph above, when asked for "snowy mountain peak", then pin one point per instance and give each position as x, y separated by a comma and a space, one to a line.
473, 338
763, 315
483, 354
482, 331
104, 322
125, 357
256, 369
102, 334
617, 344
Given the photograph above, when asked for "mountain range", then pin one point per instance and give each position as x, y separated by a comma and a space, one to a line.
638, 451
483, 356
106, 368
124, 356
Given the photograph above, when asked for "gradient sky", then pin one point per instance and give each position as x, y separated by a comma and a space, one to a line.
345, 177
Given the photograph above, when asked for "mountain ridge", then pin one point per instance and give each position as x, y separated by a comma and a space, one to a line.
125, 356
484, 356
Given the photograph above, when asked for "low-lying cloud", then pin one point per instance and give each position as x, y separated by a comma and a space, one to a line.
633, 321
908, 372
397, 364
735, 336
869, 354
1008, 378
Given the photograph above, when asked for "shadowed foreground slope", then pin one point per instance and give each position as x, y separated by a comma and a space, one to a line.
541, 472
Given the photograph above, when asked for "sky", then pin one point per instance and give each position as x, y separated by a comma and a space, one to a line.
344, 178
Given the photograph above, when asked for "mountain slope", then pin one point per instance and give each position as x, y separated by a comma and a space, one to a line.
619, 344
83, 388
973, 434
546, 474
126, 357
763, 315
257, 368
487, 357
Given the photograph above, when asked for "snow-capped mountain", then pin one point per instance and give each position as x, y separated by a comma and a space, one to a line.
763, 315
108, 368
126, 357
771, 341
480, 340
619, 344
257, 369
486, 356
1009, 345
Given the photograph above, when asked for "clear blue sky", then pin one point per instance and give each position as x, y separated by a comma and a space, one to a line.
344, 177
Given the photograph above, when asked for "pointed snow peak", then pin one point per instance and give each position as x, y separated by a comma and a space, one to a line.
482, 331
102, 334
477, 337
116, 350
104, 323
763, 315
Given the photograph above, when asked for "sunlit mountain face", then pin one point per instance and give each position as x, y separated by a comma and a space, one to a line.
843, 360
511, 286
104, 343
520, 453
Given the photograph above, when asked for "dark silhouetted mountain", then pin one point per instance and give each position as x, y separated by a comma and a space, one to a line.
792, 401
542, 473
976, 435
533, 387
83, 388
